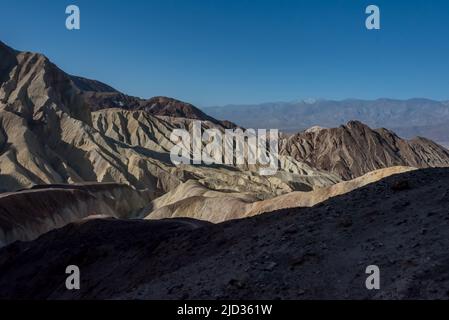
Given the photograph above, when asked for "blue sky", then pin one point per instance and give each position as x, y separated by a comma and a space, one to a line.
216, 52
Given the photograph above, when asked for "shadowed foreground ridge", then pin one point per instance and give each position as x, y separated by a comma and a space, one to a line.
399, 223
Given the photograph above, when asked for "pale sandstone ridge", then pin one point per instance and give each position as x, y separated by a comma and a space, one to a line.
27, 214
354, 149
312, 198
193, 200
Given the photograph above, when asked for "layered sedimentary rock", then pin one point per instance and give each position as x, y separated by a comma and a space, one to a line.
355, 149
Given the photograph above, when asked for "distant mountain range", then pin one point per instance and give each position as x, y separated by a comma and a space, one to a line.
408, 118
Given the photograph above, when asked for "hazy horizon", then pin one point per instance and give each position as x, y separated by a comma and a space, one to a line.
305, 100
